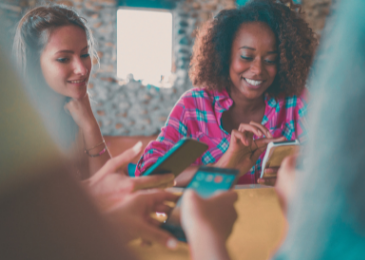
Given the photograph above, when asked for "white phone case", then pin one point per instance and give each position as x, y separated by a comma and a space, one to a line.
276, 152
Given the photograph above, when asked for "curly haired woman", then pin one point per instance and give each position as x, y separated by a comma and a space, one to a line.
251, 66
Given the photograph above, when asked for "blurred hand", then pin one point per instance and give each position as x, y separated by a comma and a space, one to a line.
244, 151
215, 215
132, 217
271, 174
81, 113
110, 185
285, 181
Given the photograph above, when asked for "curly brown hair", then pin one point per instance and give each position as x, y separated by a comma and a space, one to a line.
296, 42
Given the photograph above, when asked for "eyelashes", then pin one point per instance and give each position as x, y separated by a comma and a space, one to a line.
62, 60
246, 58
65, 60
251, 59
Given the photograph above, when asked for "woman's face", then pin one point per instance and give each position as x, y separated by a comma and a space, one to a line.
65, 61
254, 57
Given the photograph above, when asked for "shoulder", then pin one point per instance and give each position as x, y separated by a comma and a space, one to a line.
196, 96
292, 101
198, 93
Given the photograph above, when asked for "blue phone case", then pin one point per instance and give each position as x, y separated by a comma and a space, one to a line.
178, 158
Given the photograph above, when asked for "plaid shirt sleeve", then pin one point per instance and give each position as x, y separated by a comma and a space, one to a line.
174, 130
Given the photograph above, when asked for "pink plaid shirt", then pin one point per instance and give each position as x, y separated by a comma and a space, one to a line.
198, 115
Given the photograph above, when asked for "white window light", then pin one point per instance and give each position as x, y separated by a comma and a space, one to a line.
144, 40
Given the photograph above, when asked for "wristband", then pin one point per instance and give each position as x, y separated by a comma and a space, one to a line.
103, 142
97, 154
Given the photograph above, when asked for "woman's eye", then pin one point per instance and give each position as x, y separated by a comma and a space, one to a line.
271, 61
85, 55
63, 60
246, 58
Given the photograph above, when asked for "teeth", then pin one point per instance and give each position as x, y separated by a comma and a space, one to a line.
253, 82
77, 81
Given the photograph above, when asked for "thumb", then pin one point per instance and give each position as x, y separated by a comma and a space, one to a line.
262, 145
289, 162
112, 165
244, 137
127, 156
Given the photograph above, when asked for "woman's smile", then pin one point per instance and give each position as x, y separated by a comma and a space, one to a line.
79, 82
254, 84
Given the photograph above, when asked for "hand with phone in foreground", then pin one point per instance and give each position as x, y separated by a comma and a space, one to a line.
128, 202
132, 218
110, 185
285, 184
208, 223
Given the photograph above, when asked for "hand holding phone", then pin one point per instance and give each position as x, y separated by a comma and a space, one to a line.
213, 216
275, 154
206, 182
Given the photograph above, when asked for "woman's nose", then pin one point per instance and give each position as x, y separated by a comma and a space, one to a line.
80, 68
256, 66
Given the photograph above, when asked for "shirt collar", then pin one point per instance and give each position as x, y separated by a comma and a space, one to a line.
223, 102
222, 99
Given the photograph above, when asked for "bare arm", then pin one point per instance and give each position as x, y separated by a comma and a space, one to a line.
92, 137
97, 153
208, 223
206, 244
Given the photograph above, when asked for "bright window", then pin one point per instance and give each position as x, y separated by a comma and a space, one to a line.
144, 44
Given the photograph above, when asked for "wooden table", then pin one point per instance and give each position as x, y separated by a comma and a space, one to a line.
257, 232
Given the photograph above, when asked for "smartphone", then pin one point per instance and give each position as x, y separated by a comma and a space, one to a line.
178, 158
275, 154
206, 181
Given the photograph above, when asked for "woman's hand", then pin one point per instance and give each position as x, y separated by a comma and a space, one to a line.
110, 185
243, 151
82, 114
271, 179
284, 186
132, 217
208, 223
216, 213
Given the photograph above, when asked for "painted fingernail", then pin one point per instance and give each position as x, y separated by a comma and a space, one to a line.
137, 146
171, 243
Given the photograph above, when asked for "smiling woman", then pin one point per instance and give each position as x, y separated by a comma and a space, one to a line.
250, 66
66, 63
53, 48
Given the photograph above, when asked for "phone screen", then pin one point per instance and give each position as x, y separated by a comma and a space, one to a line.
206, 182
